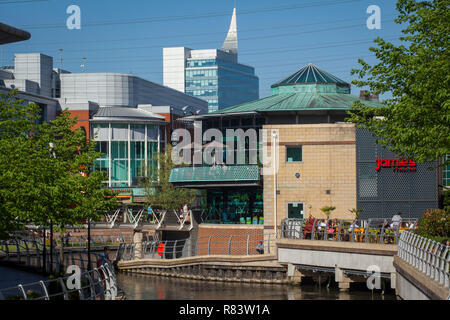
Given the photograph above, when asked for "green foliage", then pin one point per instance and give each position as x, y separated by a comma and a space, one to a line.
446, 200
356, 212
159, 192
327, 210
434, 223
415, 122
40, 169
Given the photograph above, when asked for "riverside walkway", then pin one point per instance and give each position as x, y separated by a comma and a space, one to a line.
351, 251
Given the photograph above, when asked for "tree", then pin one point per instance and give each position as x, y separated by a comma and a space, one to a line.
356, 212
327, 210
17, 122
48, 180
159, 191
415, 122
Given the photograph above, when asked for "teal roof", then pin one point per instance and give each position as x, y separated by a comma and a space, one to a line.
310, 74
308, 89
236, 173
298, 101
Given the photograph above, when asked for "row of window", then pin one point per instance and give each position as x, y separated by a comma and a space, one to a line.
201, 73
202, 93
201, 83
446, 172
201, 63
120, 132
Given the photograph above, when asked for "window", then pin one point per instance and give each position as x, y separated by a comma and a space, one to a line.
293, 153
295, 210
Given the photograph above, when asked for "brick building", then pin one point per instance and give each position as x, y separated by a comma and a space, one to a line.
319, 160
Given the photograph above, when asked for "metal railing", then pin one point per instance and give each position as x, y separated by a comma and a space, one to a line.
375, 230
96, 240
232, 245
97, 284
426, 255
31, 252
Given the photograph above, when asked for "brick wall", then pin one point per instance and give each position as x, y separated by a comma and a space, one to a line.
82, 120
220, 239
328, 163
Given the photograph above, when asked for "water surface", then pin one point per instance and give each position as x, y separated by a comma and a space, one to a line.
149, 287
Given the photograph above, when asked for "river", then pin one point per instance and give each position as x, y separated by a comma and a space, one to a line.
148, 287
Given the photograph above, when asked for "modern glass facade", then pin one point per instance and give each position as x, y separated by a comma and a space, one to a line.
234, 206
127, 148
222, 83
446, 173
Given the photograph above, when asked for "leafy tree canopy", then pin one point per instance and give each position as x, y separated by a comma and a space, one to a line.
159, 191
415, 122
44, 169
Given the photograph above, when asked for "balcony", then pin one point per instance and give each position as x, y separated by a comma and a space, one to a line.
209, 176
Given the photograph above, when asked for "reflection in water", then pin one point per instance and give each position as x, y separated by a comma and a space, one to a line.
147, 287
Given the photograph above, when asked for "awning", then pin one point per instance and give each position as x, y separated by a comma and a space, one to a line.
9, 34
237, 175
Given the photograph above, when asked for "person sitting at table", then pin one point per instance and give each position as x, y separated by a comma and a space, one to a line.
330, 229
353, 226
410, 225
308, 228
321, 227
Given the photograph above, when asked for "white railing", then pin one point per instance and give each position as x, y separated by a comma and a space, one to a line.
426, 255
97, 284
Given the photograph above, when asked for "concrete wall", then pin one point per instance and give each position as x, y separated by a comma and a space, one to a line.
344, 255
35, 67
328, 163
174, 63
114, 89
412, 284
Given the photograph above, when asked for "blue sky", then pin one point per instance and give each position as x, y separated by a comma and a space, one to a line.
275, 37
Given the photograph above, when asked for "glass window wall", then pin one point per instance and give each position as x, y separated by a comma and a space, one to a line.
235, 206
130, 146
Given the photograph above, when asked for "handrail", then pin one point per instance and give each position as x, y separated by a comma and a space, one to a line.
97, 284
207, 245
428, 256
362, 230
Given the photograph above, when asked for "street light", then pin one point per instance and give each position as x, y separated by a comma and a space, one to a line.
274, 151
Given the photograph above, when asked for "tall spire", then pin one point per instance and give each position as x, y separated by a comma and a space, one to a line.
231, 41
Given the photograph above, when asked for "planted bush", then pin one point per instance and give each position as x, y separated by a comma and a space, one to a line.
434, 223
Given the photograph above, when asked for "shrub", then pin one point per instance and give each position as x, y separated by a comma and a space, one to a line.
327, 210
434, 223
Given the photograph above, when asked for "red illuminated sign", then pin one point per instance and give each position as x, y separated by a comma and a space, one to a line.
397, 164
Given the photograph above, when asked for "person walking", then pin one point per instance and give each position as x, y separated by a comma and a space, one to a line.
185, 213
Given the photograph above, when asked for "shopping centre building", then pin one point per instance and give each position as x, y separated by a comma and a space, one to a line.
321, 160
129, 117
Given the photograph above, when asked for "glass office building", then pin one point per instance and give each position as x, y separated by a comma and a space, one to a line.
222, 83
213, 75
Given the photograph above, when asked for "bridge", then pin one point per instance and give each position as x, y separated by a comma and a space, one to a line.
126, 219
346, 251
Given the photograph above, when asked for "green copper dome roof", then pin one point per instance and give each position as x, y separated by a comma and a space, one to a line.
309, 89
310, 74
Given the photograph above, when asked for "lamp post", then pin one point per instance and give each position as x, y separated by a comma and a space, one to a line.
274, 151
52, 146
89, 244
